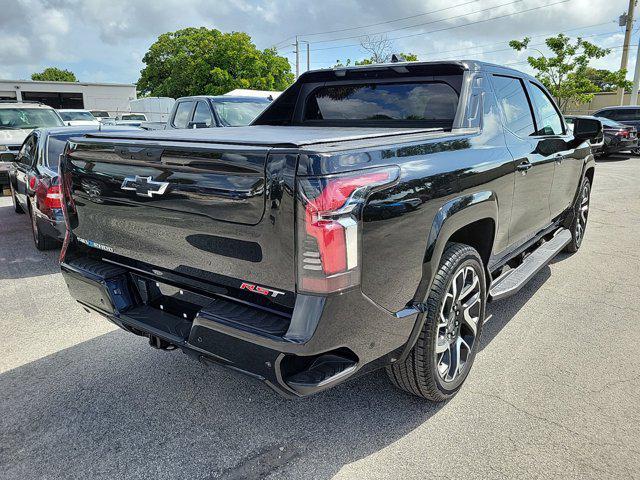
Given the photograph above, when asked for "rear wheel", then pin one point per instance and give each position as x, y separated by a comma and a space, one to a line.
16, 206
43, 242
580, 216
441, 359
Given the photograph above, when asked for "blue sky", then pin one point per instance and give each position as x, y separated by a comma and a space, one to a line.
105, 40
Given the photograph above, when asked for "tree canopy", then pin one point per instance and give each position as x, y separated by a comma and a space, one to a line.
202, 61
566, 71
54, 74
409, 57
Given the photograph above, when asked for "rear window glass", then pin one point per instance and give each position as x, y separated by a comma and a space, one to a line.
623, 114
55, 146
383, 102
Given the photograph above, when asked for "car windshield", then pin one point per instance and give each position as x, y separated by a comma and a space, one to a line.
100, 113
239, 113
28, 118
70, 116
133, 116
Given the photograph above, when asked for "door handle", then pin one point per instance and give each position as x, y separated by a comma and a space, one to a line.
524, 166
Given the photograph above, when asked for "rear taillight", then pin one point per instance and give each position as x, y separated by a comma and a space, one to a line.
53, 197
328, 227
622, 133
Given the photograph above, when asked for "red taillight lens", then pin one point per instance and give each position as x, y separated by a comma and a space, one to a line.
53, 198
328, 234
622, 133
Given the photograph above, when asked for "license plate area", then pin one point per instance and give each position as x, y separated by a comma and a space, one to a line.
169, 299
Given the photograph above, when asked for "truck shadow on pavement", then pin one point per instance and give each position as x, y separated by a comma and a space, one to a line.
111, 407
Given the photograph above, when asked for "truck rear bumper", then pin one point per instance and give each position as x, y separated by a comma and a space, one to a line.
325, 340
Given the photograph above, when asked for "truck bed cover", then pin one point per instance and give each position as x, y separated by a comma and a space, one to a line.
266, 135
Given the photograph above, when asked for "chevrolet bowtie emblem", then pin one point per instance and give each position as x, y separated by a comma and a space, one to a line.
144, 186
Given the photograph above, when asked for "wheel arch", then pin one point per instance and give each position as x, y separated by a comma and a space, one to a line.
469, 219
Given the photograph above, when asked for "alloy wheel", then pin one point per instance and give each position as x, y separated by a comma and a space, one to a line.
583, 212
458, 323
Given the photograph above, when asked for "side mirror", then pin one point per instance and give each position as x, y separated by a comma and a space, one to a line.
197, 125
587, 129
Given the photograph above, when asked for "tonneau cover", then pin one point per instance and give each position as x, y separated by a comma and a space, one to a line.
263, 135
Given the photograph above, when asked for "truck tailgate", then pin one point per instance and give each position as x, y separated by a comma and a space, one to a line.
197, 210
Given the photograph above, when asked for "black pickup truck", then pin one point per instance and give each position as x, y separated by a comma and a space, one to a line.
362, 221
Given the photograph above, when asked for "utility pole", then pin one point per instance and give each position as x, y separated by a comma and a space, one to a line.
636, 79
297, 44
627, 39
308, 58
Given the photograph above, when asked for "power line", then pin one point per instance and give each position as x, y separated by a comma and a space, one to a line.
378, 23
439, 52
452, 27
424, 23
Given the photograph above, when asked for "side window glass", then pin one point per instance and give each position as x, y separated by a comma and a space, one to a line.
28, 150
183, 112
550, 121
203, 114
612, 114
514, 105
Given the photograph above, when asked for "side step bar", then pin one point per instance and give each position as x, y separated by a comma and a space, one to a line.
513, 280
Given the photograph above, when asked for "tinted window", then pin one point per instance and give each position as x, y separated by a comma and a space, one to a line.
627, 114
55, 146
234, 113
514, 106
183, 115
203, 114
383, 102
28, 150
70, 116
550, 121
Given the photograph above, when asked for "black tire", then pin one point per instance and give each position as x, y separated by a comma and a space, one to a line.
419, 373
580, 217
16, 206
42, 242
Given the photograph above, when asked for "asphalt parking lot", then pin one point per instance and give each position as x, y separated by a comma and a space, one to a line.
554, 392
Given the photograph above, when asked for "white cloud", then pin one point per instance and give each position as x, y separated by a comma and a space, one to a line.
108, 38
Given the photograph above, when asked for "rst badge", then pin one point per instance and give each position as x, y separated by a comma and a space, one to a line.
261, 290
144, 186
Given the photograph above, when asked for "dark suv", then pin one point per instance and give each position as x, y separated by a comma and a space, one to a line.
627, 115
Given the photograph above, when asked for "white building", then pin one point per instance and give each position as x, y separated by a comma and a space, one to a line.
112, 97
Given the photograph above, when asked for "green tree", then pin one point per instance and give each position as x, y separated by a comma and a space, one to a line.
202, 61
409, 57
55, 74
608, 81
564, 72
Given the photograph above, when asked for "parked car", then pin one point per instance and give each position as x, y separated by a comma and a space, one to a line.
33, 179
17, 119
215, 111
598, 143
265, 248
130, 119
626, 115
617, 137
77, 118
